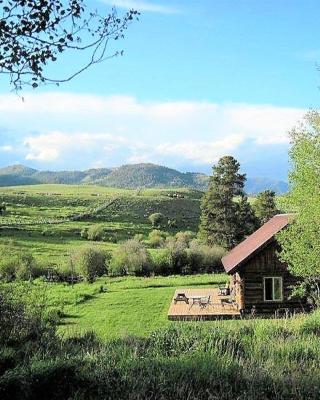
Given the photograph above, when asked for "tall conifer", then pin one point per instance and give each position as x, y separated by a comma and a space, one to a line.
219, 210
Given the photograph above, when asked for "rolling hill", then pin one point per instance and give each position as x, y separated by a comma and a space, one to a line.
127, 176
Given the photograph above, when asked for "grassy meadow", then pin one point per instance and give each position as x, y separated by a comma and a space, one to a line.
114, 307
144, 356
37, 217
113, 338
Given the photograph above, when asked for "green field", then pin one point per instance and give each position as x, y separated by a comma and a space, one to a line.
30, 221
139, 354
113, 336
126, 306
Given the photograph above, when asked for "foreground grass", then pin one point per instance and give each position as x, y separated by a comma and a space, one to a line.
251, 360
119, 344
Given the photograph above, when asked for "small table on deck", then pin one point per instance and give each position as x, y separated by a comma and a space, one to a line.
197, 299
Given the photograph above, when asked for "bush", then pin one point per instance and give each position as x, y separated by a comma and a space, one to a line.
27, 268
95, 232
90, 262
177, 255
8, 267
178, 258
203, 258
19, 266
130, 258
84, 233
161, 261
156, 238
138, 237
21, 320
156, 219
185, 237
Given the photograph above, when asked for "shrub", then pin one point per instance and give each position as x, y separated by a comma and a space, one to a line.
161, 261
177, 255
156, 238
84, 233
203, 258
90, 262
138, 237
95, 232
185, 237
8, 267
130, 258
20, 265
178, 258
21, 317
27, 267
156, 219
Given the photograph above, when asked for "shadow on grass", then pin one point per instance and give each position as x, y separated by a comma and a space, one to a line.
214, 284
66, 319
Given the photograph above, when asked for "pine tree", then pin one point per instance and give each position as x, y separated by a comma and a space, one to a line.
265, 206
219, 212
247, 220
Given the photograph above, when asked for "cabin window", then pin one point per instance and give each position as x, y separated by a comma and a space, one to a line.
272, 288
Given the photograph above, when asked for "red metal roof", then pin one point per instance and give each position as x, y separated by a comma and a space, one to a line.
252, 243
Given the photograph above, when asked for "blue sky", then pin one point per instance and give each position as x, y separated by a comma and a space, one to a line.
198, 79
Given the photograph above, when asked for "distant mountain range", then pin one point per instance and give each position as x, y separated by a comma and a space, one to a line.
127, 176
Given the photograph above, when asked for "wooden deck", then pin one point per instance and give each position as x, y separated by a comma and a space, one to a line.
213, 310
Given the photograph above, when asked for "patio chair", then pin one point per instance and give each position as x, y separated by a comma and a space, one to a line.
230, 301
204, 301
224, 291
181, 297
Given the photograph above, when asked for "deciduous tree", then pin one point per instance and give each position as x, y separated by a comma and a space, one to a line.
301, 241
33, 34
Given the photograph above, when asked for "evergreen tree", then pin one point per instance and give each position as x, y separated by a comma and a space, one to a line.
219, 212
265, 206
247, 220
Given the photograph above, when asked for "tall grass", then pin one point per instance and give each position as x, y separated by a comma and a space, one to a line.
255, 359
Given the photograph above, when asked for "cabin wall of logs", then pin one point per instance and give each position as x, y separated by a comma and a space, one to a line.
249, 283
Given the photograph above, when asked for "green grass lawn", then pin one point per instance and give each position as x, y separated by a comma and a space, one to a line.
130, 306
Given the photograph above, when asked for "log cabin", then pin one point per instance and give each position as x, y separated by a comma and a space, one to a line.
260, 281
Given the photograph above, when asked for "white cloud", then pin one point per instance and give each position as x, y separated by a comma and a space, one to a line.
141, 5
6, 148
74, 131
202, 152
54, 145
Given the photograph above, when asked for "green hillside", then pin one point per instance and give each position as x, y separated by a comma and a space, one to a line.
127, 177
39, 217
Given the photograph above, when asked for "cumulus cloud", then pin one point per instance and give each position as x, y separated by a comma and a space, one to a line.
51, 146
76, 131
202, 152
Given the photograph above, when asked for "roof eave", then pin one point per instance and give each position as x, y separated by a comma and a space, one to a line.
245, 260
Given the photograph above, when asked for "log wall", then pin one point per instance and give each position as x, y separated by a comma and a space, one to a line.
263, 264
